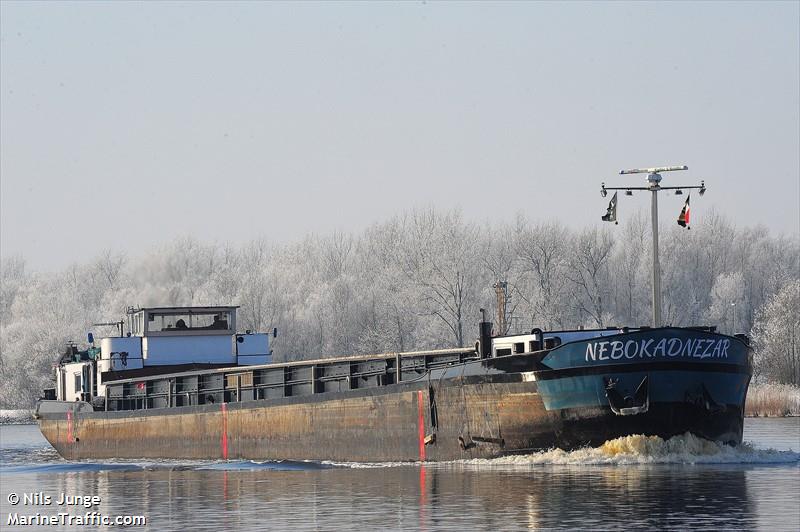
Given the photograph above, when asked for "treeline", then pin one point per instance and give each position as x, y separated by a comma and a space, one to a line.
418, 281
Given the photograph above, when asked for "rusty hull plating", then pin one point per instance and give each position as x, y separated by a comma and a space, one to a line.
463, 417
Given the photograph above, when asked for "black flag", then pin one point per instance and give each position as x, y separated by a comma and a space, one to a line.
611, 213
683, 218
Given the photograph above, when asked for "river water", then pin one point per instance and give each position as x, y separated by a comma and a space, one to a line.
632, 483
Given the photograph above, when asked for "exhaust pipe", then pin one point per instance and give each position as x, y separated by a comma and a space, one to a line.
485, 336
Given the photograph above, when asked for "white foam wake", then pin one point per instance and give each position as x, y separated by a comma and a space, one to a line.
638, 449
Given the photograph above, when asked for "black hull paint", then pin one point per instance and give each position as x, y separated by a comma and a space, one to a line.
594, 426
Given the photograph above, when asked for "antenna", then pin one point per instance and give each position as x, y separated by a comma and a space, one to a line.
654, 170
654, 186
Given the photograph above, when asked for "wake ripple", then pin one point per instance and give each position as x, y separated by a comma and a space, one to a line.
64, 466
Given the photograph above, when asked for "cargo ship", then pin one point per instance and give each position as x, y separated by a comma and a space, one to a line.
186, 383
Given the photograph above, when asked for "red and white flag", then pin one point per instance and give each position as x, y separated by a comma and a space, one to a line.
683, 219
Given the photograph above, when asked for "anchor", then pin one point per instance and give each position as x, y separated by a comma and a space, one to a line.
639, 403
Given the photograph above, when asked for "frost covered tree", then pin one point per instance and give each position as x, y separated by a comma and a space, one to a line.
13, 277
441, 258
776, 336
543, 252
500, 264
259, 295
589, 275
110, 268
630, 263
389, 318
726, 295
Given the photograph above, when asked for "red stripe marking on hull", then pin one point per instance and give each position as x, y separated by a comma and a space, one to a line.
69, 427
421, 425
224, 441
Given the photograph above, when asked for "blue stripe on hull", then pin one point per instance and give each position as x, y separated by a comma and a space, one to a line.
586, 391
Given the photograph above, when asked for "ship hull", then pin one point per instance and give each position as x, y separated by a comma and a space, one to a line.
484, 417
567, 397
489, 416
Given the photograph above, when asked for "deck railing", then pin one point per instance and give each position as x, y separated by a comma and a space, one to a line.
272, 381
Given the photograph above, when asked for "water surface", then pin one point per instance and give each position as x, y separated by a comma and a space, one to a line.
633, 483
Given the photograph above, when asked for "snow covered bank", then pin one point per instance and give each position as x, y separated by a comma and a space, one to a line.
16, 417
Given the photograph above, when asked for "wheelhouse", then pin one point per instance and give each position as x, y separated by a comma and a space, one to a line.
159, 340
182, 321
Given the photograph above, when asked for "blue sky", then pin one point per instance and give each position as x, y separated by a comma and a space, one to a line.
123, 125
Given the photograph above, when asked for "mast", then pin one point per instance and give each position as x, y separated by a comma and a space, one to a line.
654, 186
656, 263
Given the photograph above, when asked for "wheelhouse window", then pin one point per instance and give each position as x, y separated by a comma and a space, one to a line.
196, 322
